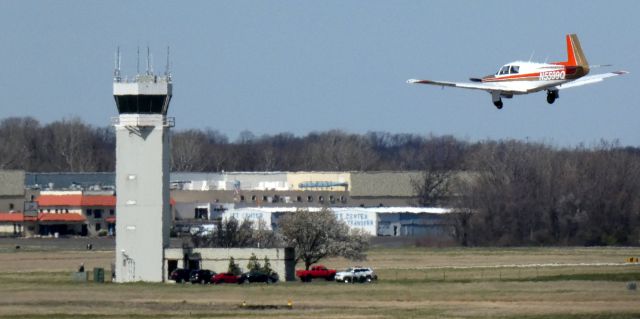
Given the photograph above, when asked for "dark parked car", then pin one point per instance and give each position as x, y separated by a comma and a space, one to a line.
180, 275
258, 276
225, 277
201, 276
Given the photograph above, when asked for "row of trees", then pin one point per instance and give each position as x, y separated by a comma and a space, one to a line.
63, 146
71, 145
532, 194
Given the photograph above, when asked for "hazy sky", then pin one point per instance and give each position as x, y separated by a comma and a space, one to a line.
303, 66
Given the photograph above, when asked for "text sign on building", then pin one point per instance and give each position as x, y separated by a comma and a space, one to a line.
365, 220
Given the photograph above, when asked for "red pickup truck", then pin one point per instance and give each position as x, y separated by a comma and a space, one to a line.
318, 271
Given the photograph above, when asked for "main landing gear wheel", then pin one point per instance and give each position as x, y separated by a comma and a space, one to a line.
552, 96
498, 104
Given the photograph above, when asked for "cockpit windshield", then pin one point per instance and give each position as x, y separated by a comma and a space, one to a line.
508, 69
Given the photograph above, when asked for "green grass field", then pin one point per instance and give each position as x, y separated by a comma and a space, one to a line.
414, 283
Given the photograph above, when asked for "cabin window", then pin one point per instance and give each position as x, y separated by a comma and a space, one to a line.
515, 69
504, 70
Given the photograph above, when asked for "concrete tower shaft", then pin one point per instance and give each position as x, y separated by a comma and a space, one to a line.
142, 175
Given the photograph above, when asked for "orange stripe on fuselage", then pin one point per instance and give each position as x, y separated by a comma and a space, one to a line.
527, 76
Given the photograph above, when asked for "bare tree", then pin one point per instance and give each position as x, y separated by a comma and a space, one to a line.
71, 143
440, 158
188, 150
18, 148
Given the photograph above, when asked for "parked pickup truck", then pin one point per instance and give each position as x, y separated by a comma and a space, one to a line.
318, 271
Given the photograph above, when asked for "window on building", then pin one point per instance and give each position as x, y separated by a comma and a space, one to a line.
309, 198
97, 213
66, 210
112, 212
10, 206
201, 213
298, 198
321, 199
332, 199
89, 212
242, 198
253, 198
98, 226
265, 198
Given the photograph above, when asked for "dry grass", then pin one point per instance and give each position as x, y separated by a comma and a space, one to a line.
37, 285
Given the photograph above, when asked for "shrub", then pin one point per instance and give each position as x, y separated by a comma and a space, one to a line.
233, 267
253, 263
267, 266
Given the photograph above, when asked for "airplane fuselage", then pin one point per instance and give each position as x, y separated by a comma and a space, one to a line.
528, 77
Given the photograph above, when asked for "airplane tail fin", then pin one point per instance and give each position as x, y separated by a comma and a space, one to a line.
575, 55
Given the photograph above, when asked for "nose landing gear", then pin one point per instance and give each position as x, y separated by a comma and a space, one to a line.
552, 95
497, 100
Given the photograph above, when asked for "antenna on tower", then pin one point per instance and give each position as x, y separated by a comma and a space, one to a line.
167, 69
116, 71
148, 61
138, 63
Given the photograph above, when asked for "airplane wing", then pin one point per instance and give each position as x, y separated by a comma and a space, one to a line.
490, 87
589, 79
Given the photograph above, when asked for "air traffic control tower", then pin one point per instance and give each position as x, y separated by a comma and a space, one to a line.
142, 173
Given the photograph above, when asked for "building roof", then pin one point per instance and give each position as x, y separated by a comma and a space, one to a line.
43, 217
11, 183
378, 210
76, 200
11, 217
383, 184
62, 180
65, 217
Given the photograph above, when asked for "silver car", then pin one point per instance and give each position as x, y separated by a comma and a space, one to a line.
356, 274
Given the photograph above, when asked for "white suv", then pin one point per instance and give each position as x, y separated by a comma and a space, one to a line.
356, 274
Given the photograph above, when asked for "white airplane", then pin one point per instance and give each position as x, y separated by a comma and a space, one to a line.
520, 77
